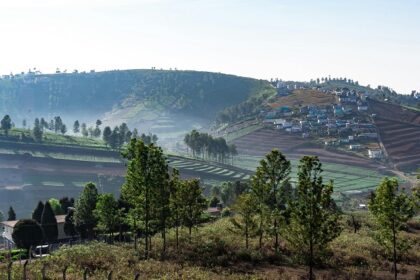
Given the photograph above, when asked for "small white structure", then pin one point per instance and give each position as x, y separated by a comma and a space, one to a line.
375, 153
355, 147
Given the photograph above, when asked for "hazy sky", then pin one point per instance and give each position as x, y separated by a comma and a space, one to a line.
373, 41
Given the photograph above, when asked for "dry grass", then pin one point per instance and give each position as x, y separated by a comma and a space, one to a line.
216, 253
303, 97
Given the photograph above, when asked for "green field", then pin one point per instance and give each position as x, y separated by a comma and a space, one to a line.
345, 177
49, 138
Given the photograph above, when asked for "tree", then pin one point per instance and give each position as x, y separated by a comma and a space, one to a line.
107, 213
106, 135
37, 214
11, 214
175, 202
194, 203
214, 201
37, 131
314, 215
49, 223
27, 233
69, 227
98, 123
6, 124
76, 127
63, 129
85, 132
56, 206
391, 209
58, 123
66, 203
97, 132
147, 187
244, 220
274, 171
84, 218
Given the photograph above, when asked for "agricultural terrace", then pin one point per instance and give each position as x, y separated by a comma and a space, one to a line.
304, 97
346, 178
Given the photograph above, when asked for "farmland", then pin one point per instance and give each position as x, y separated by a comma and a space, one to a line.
31, 172
346, 178
304, 97
399, 129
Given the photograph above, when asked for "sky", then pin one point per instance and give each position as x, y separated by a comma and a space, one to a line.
375, 42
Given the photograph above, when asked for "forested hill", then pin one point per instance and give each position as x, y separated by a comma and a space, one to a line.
201, 94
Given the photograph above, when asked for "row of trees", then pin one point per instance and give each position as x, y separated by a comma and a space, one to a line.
306, 216
205, 146
152, 201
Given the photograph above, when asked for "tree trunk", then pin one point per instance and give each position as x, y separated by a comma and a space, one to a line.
189, 231
246, 236
177, 236
276, 245
394, 241
311, 249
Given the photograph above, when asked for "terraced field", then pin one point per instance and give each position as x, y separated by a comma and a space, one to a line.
346, 178
399, 129
262, 141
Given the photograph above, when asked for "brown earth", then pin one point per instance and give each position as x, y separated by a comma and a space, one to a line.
303, 97
399, 129
262, 141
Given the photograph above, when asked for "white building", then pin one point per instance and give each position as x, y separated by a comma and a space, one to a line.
375, 153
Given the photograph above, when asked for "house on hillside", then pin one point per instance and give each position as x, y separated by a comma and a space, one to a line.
375, 153
9, 226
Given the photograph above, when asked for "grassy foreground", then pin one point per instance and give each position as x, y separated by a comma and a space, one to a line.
217, 253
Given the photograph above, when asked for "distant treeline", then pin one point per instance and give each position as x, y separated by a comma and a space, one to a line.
205, 146
114, 138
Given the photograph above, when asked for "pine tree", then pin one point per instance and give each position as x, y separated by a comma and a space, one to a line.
11, 214
106, 135
37, 214
107, 213
274, 171
84, 218
244, 220
314, 215
191, 194
76, 127
6, 124
175, 203
37, 131
69, 227
147, 187
49, 223
391, 209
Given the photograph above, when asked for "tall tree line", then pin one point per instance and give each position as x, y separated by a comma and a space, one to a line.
206, 146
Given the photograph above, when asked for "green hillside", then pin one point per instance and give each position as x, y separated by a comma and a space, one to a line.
199, 94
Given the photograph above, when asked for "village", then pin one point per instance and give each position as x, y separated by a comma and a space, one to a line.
345, 124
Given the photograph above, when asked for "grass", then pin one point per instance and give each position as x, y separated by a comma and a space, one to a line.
49, 138
303, 97
345, 177
218, 253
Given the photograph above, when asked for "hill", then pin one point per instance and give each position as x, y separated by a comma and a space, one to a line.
139, 97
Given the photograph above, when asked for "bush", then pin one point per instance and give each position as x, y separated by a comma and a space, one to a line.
27, 233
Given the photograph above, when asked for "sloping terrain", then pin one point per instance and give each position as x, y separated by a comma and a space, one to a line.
262, 141
129, 95
399, 129
33, 172
304, 97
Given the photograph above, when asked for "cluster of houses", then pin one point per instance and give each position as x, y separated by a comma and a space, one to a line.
346, 123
